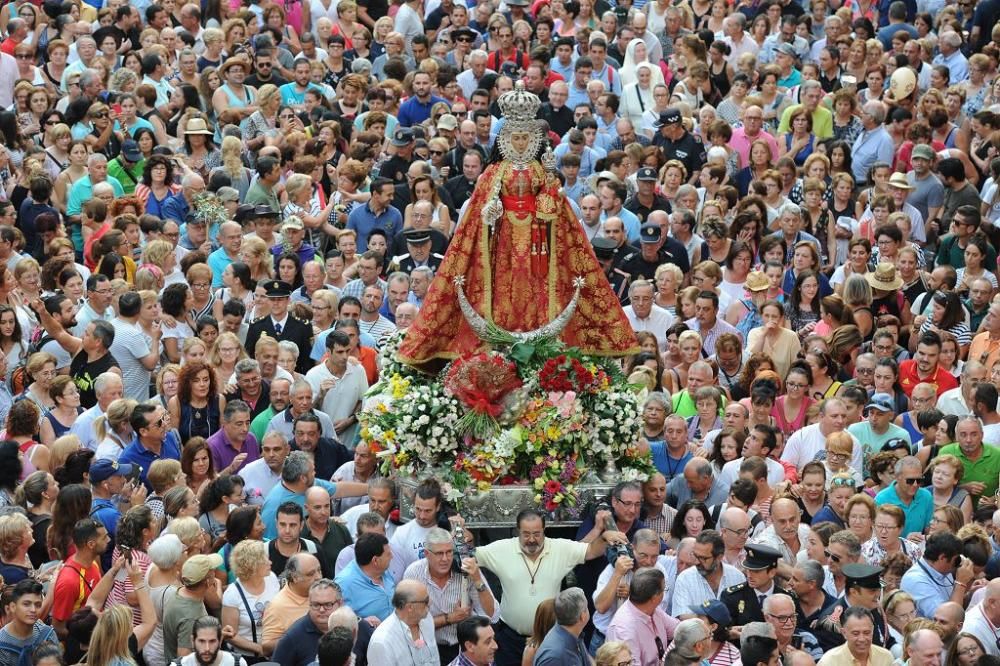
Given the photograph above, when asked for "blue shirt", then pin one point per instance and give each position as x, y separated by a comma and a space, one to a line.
929, 588
363, 220
413, 111
668, 466
278, 496
871, 147
291, 96
361, 593
106, 511
565, 72
176, 208
577, 96
958, 66
319, 344
218, 261
918, 512
630, 221
138, 454
588, 158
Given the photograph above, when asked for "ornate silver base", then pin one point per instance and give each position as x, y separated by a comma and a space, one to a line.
499, 506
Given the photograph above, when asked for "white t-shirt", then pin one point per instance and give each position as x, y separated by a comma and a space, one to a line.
407, 547
231, 598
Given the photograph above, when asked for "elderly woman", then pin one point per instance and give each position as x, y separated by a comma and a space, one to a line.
167, 555
244, 601
861, 517
888, 524
946, 475
262, 124
900, 609
16, 538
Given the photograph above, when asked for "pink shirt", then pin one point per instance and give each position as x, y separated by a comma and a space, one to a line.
640, 632
741, 144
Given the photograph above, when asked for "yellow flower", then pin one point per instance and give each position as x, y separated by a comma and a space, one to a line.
539, 484
538, 499
484, 486
553, 432
390, 435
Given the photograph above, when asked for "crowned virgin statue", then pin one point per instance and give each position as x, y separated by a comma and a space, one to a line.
519, 258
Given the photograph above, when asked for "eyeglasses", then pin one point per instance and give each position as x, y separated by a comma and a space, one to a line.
628, 505
329, 605
865, 371
100, 114
884, 528
422, 602
795, 385
911, 481
200, 285
437, 152
783, 619
836, 456
832, 556
24, 56
969, 651
740, 533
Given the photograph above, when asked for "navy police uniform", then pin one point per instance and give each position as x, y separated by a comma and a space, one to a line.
689, 149
604, 248
294, 330
827, 628
405, 262
743, 601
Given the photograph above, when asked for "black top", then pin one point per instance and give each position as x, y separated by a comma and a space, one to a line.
84, 375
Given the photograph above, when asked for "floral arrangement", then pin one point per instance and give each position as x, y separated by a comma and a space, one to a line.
540, 415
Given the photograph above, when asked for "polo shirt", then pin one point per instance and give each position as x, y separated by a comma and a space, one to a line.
363, 221
282, 611
223, 452
260, 422
525, 584
822, 121
138, 454
841, 656
218, 261
918, 512
667, 465
985, 470
299, 644
414, 112
278, 496
942, 380
362, 594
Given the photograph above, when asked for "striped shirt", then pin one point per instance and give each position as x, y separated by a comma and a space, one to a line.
446, 599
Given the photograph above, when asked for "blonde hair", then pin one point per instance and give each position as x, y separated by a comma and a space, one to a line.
163, 473
186, 528
247, 557
232, 151
214, 359
267, 94
157, 251
256, 247
296, 183
12, 529
119, 412
109, 641
61, 448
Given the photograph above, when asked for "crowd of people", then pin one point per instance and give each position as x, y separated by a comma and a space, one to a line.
215, 216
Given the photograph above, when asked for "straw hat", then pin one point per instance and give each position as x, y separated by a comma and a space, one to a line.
232, 62
197, 126
899, 181
884, 277
757, 281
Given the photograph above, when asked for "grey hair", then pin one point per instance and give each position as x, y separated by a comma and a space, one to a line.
686, 189
644, 536
293, 568
813, 572
298, 385
325, 584
569, 606
874, 109
478, 54
790, 208
661, 398
951, 38
343, 617
868, 356
910, 462
97, 158
88, 77
436, 535
646, 584
296, 465
770, 599
246, 365
369, 519
399, 276
234, 407
702, 467
190, 179
103, 380
290, 347
166, 551
688, 633
274, 434
423, 270
810, 85
640, 283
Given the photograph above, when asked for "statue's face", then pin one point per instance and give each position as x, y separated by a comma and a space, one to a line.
520, 141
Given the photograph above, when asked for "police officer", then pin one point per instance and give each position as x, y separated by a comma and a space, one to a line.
862, 587
420, 252
281, 325
395, 167
643, 264
646, 199
679, 144
605, 248
746, 600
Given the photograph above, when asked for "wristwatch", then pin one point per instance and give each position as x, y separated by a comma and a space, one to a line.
481, 586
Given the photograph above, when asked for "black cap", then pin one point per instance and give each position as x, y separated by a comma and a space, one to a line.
194, 218
244, 212
760, 557
263, 210
863, 575
417, 236
646, 173
403, 136
669, 116
464, 31
277, 289
649, 233
604, 247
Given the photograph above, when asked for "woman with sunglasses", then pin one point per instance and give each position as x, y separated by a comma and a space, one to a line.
842, 488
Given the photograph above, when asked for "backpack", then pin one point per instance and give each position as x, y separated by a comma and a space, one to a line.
19, 377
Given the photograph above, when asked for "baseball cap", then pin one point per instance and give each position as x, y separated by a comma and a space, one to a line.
646, 173
198, 567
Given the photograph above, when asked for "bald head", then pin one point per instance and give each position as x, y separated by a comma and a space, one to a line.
735, 519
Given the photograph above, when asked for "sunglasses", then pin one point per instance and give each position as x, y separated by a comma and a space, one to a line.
24, 56
911, 482
831, 556
842, 481
437, 152
467, 40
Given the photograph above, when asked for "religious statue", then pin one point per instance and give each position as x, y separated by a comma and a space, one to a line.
520, 259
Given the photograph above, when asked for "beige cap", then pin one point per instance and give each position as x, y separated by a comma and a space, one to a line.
198, 567
757, 281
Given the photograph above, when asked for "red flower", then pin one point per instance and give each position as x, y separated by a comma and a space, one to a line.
553, 487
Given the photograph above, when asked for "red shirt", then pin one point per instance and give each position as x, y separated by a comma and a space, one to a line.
73, 587
941, 381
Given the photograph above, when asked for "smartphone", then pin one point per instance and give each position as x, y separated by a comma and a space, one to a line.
117, 108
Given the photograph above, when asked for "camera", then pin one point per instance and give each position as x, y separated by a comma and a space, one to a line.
462, 549
614, 551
